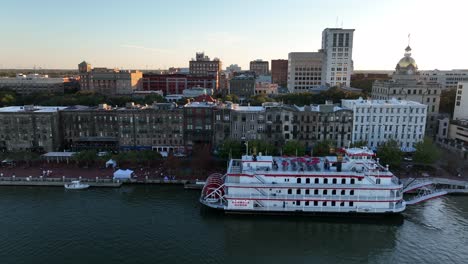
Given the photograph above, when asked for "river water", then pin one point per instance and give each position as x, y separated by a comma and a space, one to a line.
165, 224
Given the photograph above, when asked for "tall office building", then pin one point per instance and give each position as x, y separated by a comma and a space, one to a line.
203, 66
279, 72
304, 71
337, 44
260, 67
461, 102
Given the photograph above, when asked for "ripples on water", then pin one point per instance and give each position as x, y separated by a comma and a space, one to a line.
164, 224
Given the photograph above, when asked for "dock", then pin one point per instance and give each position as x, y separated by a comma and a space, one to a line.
56, 182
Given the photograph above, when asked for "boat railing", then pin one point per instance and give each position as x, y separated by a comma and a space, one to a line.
337, 198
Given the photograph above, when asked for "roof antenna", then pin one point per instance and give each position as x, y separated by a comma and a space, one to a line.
409, 39
336, 22
341, 23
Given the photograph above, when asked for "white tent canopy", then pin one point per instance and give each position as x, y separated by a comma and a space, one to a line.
123, 174
112, 163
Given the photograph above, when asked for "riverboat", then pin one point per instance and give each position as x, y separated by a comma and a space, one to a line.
351, 182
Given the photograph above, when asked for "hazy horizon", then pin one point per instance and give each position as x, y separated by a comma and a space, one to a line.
158, 35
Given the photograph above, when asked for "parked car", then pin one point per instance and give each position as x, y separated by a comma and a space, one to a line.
408, 158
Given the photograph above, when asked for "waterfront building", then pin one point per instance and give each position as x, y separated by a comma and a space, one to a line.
156, 127
242, 85
447, 79
260, 67
30, 128
203, 66
406, 84
305, 71
25, 84
315, 123
376, 121
222, 123
279, 123
279, 72
337, 44
177, 83
248, 122
111, 82
198, 122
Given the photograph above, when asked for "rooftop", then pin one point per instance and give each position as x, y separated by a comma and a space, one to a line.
364, 102
31, 108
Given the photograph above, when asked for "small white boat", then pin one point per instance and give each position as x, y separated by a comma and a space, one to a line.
76, 185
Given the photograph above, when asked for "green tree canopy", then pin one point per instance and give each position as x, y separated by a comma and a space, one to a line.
262, 146
322, 148
85, 157
358, 144
294, 148
390, 153
230, 148
426, 152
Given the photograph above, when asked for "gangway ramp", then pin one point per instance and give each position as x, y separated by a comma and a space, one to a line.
417, 185
425, 196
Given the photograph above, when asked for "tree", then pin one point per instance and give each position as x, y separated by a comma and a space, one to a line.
358, 144
390, 153
322, 148
294, 148
86, 156
230, 148
147, 156
426, 152
259, 99
262, 146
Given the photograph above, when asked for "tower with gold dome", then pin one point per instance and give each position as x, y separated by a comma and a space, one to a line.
406, 84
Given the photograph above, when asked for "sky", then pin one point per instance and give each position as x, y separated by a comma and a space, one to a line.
153, 34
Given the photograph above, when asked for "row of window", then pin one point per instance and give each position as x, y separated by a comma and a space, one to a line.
324, 204
325, 180
320, 192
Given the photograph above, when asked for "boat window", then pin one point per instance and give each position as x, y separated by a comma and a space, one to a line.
334, 181
324, 204
343, 181
377, 181
325, 180
298, 180
289, 191
316, 192
352, 181
298, 191
298, 203
334, 192
316, 180
307, 191
324, 192
333, 203
307, 203
315, 203
351, 203
343, 192
307, 180
351, 192
342, 204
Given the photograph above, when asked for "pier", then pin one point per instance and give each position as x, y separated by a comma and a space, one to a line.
56, 182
